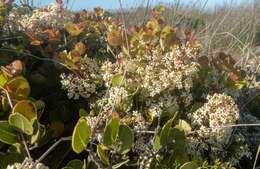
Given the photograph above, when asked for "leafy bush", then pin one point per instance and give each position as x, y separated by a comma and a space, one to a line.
142, 97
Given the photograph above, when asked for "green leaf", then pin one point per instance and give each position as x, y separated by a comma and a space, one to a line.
165, 135
5, 104
126, 137
179, 145
117, 80
82, 112
38, 129
189, 165
111, 132
26, 108
8, 134
118, 165
183, 125
240, 84
81, 135
102, 154
156, 144
75, 164
21, 123
20, 88
3, 79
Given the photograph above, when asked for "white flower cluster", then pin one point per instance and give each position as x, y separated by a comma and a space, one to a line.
156, 71
96, 124
165, 71
83, 84
27, 164
44, 17
117, 96
219, 111
211, 123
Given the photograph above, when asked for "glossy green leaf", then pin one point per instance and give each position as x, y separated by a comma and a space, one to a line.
81, 135
8, 134
3, 79
21, 123
117, 80
126, 138
111, 132
101, 152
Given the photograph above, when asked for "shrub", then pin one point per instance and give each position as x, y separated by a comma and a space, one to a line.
146, 96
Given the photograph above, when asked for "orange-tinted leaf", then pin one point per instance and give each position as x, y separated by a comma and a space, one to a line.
234, 76
26, 108
167, 37
67, 60
80, 48
74, 29
147, 35
115, 38
53, 35
195, 44
115, 114
74, 56
154, 26
36, 42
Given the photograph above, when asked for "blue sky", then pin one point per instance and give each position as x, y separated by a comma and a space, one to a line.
114, 4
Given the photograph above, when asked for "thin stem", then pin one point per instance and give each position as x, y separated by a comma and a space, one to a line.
36, 57
145, 131
50, 149
95, 159
8, 97
124, 24
227, 126
25, 146
256, 157
53, 147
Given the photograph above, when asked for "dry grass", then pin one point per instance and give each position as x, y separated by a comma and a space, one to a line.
231, 27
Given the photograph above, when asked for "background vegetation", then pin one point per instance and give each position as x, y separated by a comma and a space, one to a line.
171, 86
